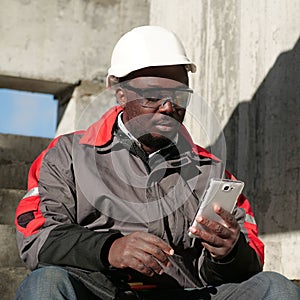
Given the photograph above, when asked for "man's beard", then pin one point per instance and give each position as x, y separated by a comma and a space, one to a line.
154, 142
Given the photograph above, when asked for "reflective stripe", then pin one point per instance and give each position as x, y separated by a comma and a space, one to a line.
33, 192
250, 219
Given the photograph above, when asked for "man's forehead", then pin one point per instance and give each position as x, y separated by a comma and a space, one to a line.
174, 72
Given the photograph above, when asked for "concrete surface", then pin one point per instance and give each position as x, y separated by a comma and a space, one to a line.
10, 279
64, 41
89, 102
9, 256
16, 155
9, 199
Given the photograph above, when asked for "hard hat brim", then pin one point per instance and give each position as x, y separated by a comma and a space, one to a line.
122, 72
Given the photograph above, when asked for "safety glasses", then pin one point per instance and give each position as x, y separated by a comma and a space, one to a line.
155, 97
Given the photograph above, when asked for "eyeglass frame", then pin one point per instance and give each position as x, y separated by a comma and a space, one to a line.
160, 101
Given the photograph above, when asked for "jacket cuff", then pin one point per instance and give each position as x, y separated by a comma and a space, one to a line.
106, 247
239, 265
75, 246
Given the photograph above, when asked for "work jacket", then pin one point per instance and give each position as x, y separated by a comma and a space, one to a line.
91, 187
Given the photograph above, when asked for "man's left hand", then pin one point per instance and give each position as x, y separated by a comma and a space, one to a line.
218, 239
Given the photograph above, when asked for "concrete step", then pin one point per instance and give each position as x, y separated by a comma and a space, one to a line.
13, 174
21, 148
9, 199
16, 155
10, 279
9, 255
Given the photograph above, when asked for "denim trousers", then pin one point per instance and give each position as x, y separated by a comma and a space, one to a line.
56, 283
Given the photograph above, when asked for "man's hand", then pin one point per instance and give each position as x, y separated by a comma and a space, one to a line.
218, 239
140, 251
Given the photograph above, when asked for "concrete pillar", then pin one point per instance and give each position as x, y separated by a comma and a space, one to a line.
248, 57
89, 102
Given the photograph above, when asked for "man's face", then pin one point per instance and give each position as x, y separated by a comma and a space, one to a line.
154, 102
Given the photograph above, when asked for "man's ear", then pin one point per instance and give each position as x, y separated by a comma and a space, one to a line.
111, 80
121, 97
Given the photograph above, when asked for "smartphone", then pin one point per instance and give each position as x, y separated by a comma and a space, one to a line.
223, 192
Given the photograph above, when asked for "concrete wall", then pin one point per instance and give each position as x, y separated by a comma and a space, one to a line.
248, 57
64, 41
51, 46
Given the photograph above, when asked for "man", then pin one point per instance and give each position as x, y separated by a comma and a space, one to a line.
108, 209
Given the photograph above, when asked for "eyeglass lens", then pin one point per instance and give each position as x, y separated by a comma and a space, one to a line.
155, 98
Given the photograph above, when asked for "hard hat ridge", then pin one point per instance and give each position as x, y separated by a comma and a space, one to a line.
147, 46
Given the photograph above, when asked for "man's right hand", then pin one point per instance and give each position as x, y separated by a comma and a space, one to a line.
141, 251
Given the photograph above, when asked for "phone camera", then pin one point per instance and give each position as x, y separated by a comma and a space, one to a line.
226, 188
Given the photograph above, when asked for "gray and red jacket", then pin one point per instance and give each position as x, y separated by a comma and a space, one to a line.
91, 187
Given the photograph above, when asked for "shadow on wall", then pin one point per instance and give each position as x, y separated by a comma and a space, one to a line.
263, 146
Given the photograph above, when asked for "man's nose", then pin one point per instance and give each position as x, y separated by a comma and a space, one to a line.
166, 106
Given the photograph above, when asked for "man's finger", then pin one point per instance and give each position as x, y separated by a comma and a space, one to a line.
229, 218
139, 266
158, 242
207, 237
149, 261
212, 227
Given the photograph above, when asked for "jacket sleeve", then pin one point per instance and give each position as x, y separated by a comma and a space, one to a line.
239, 265
47, 232
247, 257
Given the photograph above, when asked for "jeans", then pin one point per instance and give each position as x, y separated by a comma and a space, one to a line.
56, 283
52, 283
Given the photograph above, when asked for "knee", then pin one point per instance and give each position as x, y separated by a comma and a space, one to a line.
273, 278
44, 282
277, 285
50, 276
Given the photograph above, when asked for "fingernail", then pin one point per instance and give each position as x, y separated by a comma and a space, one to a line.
217, 208
171, 252
199, 219
161, 272
192, 230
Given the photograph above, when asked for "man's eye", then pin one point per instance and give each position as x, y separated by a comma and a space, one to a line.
152, 99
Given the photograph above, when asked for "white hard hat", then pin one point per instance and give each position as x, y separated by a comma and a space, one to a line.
147, 46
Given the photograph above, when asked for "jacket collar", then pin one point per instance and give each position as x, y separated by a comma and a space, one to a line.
100, 133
